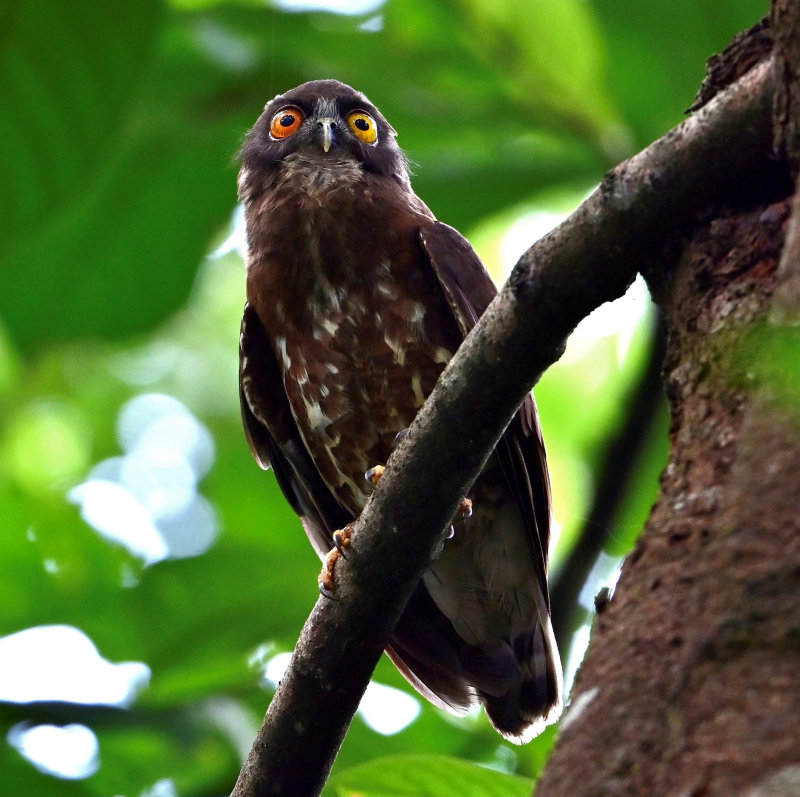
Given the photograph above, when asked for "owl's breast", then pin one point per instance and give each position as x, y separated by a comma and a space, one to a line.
355, 314
356, 371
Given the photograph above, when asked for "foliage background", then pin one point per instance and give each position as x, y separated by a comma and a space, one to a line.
117, 136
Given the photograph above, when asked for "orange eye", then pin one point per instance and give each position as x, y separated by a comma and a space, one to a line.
286, 122
363, 127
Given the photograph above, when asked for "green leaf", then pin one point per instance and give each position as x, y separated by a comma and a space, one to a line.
658, 54
428, 776
116, 190
554, 63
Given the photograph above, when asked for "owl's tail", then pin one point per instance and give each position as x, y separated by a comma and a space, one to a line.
518, 681
534, 699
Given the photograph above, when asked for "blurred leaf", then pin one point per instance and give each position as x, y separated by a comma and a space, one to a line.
116, 194
427, 776
20, 778
556, 60
65, 96
657, 54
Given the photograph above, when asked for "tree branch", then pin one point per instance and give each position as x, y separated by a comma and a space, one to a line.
590, 259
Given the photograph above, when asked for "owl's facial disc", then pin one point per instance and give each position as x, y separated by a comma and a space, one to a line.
325, 127
322, 124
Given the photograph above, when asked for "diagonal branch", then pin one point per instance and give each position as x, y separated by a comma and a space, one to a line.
590, 259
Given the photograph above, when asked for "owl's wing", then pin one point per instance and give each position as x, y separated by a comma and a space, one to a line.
424, 637
469, 290
462, 275
275, 440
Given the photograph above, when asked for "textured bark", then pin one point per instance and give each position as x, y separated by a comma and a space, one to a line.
690, 685
691, 682
786, 126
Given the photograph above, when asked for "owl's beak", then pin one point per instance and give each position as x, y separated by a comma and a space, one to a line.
326, 124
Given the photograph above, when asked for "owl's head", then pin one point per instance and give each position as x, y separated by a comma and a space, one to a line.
323, 119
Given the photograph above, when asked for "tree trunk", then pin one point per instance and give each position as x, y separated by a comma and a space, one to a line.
691, 682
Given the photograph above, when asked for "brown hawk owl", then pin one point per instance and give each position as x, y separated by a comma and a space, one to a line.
356, 299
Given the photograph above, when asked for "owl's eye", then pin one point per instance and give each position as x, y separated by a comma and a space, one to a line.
363, 127
286, 122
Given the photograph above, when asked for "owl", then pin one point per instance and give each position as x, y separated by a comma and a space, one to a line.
357, 297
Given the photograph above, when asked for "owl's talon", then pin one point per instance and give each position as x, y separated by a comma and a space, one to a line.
327, 582
341, 539
464, 510
327, 592
398, 438
375, 474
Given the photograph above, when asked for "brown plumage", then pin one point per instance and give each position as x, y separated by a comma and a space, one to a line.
356, 299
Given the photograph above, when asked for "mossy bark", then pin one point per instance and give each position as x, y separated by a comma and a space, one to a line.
691, 682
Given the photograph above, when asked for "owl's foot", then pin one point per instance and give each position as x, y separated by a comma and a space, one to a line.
341, 540
374, 475
464, 511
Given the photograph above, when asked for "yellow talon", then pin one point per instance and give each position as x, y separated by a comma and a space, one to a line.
464, 510
374, 475
341, 540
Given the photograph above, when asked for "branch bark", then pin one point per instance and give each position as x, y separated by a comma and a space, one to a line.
689, 685
588, 260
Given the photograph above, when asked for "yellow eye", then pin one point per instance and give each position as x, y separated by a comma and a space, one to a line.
286, 122
363, 127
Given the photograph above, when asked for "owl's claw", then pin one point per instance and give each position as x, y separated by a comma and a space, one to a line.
326, 592
327, 582
398, 437
375, 474
341, 539
464, 510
